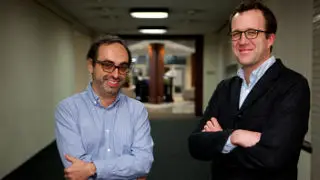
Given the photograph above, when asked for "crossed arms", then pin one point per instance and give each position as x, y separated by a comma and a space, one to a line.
79, 164
274, 147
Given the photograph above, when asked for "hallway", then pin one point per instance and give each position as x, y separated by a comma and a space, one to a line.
44, 46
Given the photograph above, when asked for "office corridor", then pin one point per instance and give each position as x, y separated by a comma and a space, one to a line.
44, 45
172, 160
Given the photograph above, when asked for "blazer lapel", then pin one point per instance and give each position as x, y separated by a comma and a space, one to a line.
235, 94
263, 84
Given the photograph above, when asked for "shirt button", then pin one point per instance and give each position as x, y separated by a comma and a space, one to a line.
107, 130
108, 149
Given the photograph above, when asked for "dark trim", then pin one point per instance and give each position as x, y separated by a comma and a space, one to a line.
307, 146
199, 45
45, 164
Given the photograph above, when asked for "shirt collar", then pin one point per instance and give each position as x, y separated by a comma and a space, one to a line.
257, 73
95, 98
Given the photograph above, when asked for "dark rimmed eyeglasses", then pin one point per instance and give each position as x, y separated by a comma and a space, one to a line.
249, 34
109, 67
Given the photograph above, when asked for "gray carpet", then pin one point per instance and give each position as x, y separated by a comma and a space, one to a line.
172, 159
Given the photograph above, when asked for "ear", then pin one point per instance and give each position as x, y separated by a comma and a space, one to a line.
271, 39
90, 66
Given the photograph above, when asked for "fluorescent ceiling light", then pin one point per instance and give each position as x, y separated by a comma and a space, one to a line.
153, 30
149, 13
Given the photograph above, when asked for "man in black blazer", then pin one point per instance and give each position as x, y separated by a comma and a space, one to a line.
255, 122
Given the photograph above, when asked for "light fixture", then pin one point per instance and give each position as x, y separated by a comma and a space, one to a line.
149, 13
153, 30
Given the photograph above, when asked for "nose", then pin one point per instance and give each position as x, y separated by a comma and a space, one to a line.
115, 73
243, 39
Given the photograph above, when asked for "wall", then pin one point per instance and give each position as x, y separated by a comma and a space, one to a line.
315, 135
37, 70
81, 44
217, 56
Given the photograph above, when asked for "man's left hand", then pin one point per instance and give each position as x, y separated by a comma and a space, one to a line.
245, 138
79, 170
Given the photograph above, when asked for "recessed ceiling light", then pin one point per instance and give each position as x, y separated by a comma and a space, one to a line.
152, 30
149, 13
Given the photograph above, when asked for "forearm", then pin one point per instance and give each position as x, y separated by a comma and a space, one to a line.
124, 168
68, 138
207, 145
271, 153
283, 134
77, 152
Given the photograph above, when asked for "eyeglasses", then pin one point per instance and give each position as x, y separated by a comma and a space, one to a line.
249, 34
109, 67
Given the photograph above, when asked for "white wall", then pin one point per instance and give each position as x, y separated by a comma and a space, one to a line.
81, 45
315, 162
217, 56
212, 66
304, 166
37, 70
294, 37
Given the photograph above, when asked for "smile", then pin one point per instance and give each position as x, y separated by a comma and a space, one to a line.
113, 83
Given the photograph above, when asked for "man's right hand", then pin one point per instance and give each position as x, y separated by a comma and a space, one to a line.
245, 138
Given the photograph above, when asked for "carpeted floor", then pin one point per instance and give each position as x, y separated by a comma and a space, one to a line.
172, 160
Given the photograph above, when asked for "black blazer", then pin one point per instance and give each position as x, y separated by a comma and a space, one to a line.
277, 106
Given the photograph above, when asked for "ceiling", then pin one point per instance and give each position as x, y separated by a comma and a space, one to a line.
187, 17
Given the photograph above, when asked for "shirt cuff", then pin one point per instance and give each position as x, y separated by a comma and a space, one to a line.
228, 147
102, 169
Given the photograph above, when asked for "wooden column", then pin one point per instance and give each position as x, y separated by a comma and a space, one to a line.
156, 71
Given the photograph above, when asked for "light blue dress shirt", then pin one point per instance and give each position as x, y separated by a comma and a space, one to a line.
116, 139
246, 88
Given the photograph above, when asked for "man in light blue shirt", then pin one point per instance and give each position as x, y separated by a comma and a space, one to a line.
100, 132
